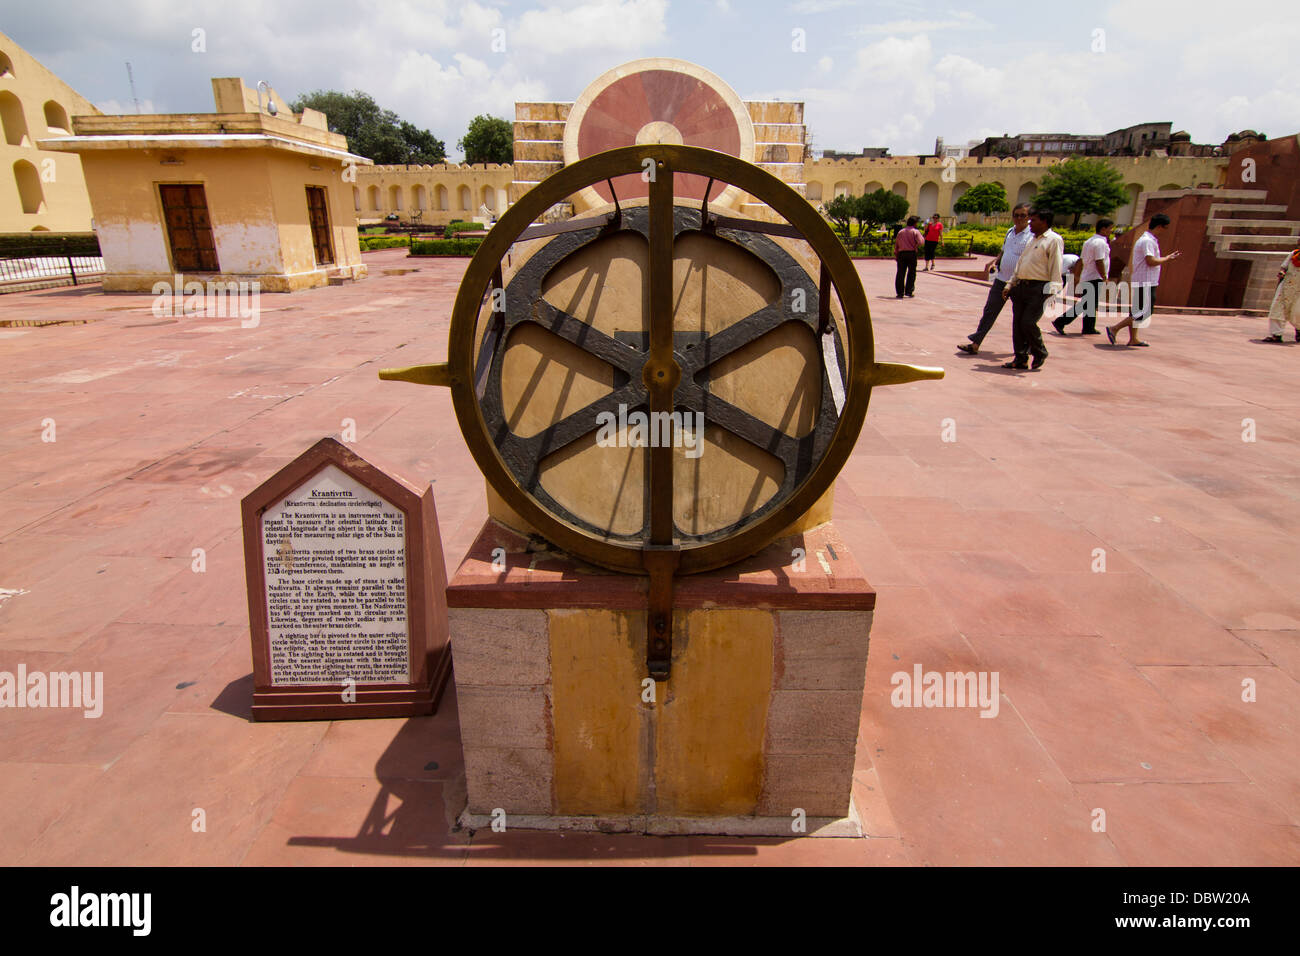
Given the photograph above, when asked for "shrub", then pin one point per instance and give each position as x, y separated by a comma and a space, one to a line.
446, 247
989, 242
458, 226
382, 242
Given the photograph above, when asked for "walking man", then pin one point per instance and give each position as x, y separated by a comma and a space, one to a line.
905, 245
1143, 279
1003, 268
1037, 276
1096, 268
933, 232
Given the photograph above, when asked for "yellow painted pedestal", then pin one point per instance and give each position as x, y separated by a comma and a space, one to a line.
753, 733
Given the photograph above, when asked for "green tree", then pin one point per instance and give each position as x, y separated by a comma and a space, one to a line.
880, 208
1083, 187
373, 132
984, 198
488, 140
841, 211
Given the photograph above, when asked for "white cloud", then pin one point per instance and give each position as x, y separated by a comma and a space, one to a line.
117, 108
925, 69
614, 25
959, 21
822, 6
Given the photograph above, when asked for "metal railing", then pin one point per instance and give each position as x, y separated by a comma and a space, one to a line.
20, 275
39, 261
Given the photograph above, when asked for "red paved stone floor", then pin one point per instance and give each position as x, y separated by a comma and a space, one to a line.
1121, 691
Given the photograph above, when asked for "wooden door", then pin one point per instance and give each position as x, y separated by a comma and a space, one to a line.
318, 216
189, 230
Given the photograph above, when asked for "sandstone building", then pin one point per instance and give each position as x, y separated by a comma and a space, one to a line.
40, 190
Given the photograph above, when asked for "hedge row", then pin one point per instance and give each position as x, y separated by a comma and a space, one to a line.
382, 242
36, 244
989, 243
446, 247
885, 250
956, 242
457, 226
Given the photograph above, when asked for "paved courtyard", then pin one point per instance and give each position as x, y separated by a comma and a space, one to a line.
1124, 733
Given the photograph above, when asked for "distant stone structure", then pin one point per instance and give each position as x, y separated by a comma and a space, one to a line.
40, 190
1233, 238
780, 147
868, 152
247, 193
931, 185
1039, 144
431, 195
619, 108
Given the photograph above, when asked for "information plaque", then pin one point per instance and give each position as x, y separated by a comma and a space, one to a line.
346, 591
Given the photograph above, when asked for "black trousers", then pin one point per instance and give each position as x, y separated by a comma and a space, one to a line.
906, 267
1027, 302
992, 309
1085, 308
930, 246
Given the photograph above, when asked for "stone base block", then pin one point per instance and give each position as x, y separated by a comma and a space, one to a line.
756, 726
657, 825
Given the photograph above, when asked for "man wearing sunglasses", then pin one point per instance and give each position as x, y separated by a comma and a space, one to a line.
1003, 267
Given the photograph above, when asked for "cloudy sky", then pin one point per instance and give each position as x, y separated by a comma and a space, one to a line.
893, 73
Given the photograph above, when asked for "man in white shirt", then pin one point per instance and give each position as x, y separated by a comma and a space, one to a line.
1096, 268
1037, 277
1144, 276
1003, 268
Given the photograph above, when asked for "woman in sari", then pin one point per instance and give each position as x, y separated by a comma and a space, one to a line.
1286, 302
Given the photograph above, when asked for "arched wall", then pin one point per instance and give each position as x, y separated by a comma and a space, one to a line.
12, 120
30, 194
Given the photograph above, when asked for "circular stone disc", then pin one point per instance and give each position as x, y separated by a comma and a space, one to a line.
655, 101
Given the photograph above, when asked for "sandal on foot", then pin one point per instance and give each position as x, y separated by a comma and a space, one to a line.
1273, 338
1139, 345
1110, 334
970, 348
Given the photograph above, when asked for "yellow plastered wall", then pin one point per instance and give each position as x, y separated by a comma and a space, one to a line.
289, 176
257, 203
26, 87
697, 750
435, 190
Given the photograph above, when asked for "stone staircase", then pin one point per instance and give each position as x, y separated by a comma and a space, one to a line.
1243, 225
1246, 227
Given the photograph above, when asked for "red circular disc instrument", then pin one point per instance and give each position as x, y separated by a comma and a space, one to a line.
658, 102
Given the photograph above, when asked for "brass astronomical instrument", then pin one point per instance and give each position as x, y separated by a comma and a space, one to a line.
653, 386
